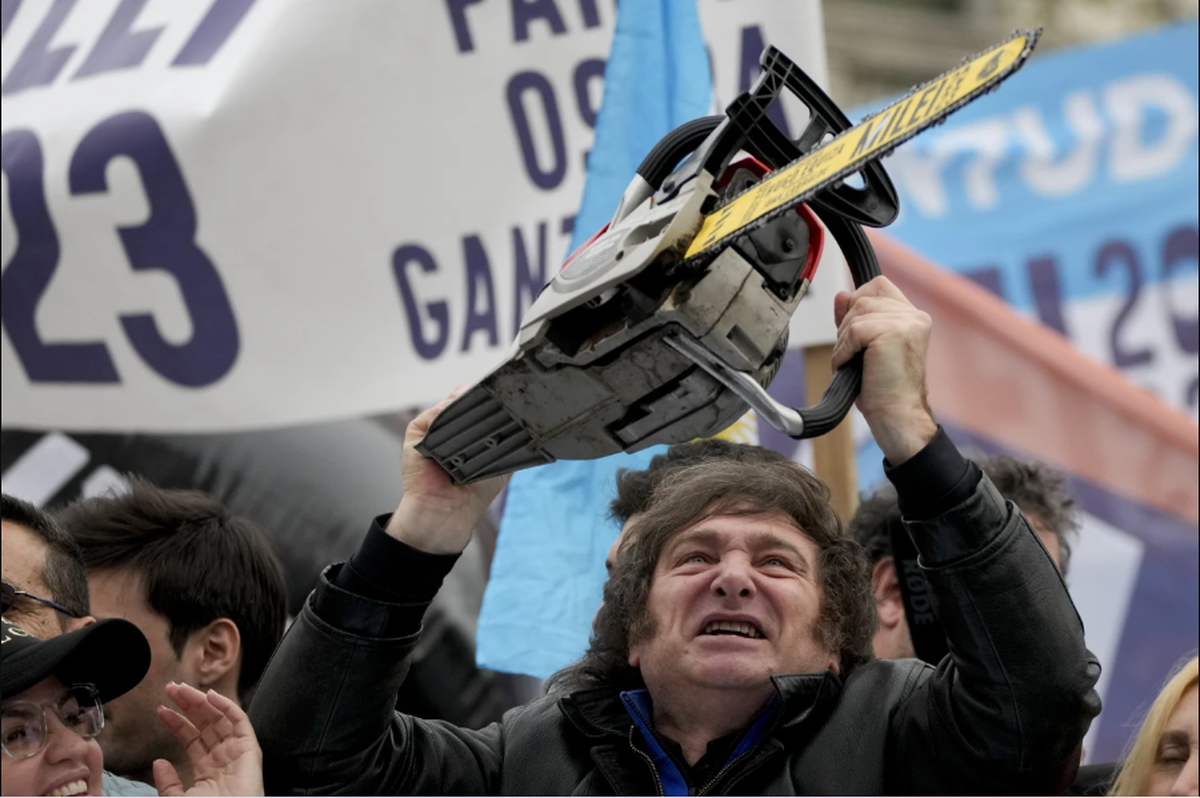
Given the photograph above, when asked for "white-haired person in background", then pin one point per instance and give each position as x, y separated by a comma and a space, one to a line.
53, 693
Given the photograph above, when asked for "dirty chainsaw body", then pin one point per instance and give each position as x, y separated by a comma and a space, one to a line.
670, 323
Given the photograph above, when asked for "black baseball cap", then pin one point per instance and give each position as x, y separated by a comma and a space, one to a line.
112, 654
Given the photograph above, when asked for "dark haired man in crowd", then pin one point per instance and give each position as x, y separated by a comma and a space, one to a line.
45, 582
46, 590
204, 586
732, 653
1038, 490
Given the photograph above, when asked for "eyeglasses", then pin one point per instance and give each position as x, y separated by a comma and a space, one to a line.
9, 595
24, 722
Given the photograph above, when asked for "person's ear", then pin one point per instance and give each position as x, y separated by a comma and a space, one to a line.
215, 652
635, 656
79, 623
889, 605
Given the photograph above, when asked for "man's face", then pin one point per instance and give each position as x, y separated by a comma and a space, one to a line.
24, 566
734, 599
133, 736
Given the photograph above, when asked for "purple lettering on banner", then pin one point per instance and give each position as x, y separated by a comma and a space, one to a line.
540, 86
438, 312
529, 283
479, 283
987, 277
1047, 292
8, 10
1121, 253
588, 70
591, 14
37, 66
166, 241
525, 11
214, 29
119, 47
752, 46
29, 271
1181, 246
458, 18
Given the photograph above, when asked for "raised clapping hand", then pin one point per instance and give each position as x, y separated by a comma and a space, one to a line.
879, 318
218, 738
435, 515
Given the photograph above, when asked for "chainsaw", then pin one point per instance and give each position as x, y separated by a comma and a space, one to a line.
672, 320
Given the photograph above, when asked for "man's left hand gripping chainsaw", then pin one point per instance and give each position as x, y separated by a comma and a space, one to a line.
672, 320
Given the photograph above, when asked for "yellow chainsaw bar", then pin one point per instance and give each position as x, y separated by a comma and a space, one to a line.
869, 140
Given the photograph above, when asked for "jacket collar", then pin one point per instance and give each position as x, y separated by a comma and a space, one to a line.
599, 712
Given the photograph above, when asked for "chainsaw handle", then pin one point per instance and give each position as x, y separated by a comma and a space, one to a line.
843, 389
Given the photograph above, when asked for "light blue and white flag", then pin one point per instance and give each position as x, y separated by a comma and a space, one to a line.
545, 583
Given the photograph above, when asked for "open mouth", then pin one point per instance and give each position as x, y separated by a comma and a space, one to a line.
78, 787
735, 629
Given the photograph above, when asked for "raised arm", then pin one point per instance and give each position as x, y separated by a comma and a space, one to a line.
324, 708
1007, 710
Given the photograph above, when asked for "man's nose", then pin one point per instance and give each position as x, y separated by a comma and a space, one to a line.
734, 577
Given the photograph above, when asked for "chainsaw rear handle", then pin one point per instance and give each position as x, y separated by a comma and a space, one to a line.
843, 389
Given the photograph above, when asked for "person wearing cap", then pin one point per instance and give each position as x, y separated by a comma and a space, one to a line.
53, 693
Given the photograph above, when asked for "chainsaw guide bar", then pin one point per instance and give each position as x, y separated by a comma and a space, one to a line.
873, 138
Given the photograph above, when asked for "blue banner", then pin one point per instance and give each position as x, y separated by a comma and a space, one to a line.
1073, 193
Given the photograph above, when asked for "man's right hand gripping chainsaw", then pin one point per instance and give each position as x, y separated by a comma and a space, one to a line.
672, 320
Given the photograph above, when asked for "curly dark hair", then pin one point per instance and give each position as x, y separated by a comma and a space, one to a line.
686, 496
635, 487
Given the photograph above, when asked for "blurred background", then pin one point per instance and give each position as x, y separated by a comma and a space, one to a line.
880, 49
244, 241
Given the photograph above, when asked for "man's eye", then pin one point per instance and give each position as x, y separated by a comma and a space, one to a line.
696, 557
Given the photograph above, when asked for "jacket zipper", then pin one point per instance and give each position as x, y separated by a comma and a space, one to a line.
724, 770
649, 761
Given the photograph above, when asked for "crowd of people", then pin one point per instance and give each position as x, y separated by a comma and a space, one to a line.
748, 642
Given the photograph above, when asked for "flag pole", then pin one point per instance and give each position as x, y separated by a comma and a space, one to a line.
833, 453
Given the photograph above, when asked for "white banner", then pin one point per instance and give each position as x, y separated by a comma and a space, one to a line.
237, 213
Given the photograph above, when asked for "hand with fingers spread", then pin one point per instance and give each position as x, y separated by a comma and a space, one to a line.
435, 515
878, 320
225, 756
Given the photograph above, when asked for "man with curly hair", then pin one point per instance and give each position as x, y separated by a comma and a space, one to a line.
732, 653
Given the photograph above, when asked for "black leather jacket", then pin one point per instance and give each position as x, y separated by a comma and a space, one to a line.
1005, 713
